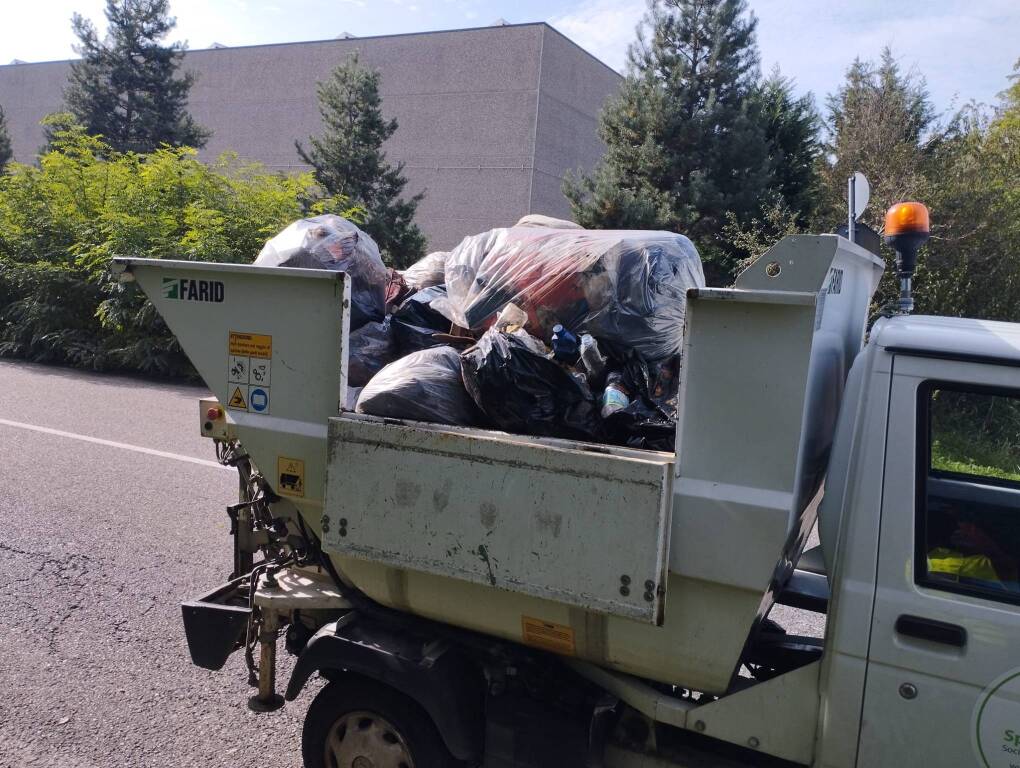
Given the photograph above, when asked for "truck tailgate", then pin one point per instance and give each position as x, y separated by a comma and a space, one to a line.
585, 526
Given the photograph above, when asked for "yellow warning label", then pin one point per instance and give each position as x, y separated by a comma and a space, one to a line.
291, 474
251, 344
237, 400
548, 636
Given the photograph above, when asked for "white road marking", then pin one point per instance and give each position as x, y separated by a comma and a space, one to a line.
113, 444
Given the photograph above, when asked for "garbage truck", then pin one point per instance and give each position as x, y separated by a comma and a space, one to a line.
472, 597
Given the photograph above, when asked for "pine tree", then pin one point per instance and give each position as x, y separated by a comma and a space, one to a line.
880, 121
348, 160
792, 127
685, 143
126, 87
6, 153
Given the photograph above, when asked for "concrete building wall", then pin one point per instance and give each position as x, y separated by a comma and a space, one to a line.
489, 118
573, 87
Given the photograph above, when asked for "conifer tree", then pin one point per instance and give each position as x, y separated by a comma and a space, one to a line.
685, 145
880, 121
792, 126
126, 87
348, 159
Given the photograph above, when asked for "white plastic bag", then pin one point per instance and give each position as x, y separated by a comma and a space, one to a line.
626, 288
427, 271
331, 242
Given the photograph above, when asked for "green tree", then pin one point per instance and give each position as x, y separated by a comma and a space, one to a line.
792, 129
126, 88
880, 121
685, 142
6, 153
348, 160
971, 266
62, 222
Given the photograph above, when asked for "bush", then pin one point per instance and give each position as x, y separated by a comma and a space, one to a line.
62, 222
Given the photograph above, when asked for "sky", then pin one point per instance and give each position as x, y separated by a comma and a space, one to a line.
965, 49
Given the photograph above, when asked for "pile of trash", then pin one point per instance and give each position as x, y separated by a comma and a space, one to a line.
543, 328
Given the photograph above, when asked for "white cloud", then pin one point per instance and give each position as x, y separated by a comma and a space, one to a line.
603, 27
964, 49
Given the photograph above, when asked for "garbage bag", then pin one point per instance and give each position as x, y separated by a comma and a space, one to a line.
424, 386
521, 390
541, 220
331, 242
427, 271
649, 419
625, 288
370, 348
353, 393
397, 290
416, 323
643, 424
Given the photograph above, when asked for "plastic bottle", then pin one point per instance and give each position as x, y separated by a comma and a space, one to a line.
566, 346
593, 360
616, 397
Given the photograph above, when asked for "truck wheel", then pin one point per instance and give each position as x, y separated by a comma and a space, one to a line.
356, 723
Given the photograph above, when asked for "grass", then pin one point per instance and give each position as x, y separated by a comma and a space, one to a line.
972, 458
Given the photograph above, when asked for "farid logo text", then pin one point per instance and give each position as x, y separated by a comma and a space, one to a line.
184, 289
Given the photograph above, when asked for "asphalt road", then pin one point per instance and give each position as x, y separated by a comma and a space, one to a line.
99, 544
111, 514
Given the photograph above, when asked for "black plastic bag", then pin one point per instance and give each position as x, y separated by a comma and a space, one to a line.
424, 386
415, 323
643, 424
649, 420
521, 390
371, 347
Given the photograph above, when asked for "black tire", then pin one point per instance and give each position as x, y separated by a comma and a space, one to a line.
410, 724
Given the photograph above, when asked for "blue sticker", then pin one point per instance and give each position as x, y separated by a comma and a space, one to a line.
258, 400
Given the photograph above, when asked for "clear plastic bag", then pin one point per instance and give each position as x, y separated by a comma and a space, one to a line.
370, 348
331, 242
424, 386
541, 220
626, 288
521, 390
427, 271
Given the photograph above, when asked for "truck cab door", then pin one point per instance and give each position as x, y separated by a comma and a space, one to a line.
943, 673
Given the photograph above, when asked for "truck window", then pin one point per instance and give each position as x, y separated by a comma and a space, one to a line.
968, 517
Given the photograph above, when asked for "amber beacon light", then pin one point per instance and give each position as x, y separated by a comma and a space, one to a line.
906, 230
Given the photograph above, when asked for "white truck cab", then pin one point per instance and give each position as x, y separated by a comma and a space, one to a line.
920, 538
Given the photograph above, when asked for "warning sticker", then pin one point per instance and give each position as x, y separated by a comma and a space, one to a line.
251, 344
548, 636
258, 399
237, 369
237, 400
291, 475
249, 365
259, 371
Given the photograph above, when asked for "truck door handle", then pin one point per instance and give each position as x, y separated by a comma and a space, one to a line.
930, 629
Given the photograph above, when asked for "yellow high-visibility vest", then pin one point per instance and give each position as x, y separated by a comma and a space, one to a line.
949, 563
